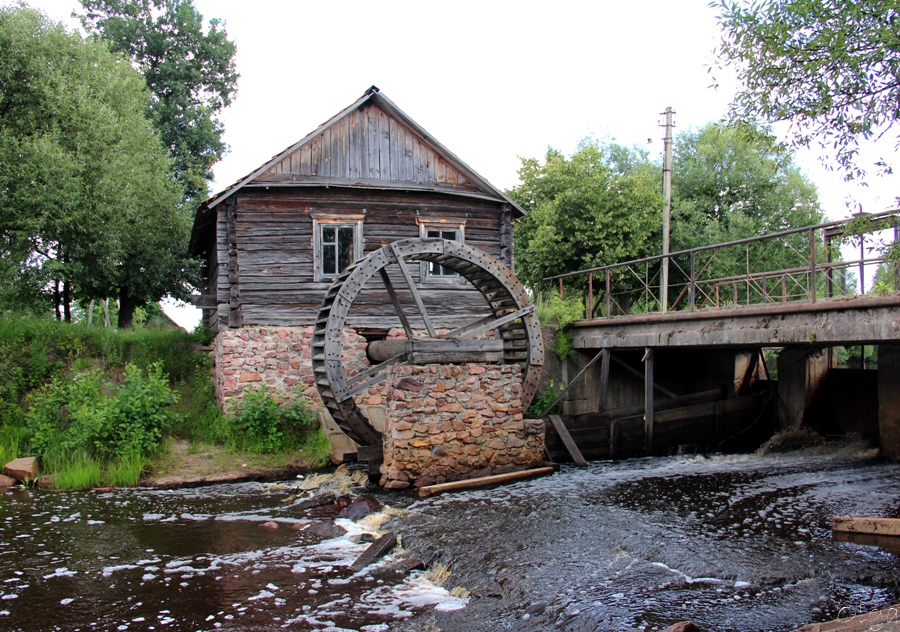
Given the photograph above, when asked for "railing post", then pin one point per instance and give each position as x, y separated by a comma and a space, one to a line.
784, 288
734, 291
765, 289
608, 298
812, 265
693, 286
561, 297
590, 296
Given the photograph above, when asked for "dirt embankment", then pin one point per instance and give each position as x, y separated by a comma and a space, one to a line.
186, 464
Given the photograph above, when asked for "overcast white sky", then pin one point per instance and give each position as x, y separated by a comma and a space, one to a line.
493, 81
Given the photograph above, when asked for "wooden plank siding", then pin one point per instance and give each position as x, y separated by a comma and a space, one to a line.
274, 232
367, 144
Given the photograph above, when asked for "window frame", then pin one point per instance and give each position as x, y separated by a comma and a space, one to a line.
426, 224
320, 220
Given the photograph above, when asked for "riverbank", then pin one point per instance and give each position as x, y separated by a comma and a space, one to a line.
188, 464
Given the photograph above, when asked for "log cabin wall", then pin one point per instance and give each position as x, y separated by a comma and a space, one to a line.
274, 245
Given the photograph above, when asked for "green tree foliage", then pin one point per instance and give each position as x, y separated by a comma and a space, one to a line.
189, 69
829, 67
731, 183
601, 206
88, 207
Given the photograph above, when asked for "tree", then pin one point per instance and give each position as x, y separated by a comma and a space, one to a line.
732, 183
88, 207
189, 70
829, 67
601, 206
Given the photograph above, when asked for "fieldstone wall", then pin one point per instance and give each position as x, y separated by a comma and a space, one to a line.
453, 422
280, 358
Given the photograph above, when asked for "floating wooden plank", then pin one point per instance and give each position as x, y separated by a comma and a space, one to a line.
567, 440
484, 481
375, 551
866, 524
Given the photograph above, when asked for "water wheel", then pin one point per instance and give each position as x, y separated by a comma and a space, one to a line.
516, 339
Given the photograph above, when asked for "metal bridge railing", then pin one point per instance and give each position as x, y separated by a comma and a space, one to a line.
800, 264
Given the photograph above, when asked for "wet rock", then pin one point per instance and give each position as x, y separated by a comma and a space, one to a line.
536, 608
361, 507
22, 469
327, 530
270, 525
6, 481
45, 481
683, 626
363, 538
396, 485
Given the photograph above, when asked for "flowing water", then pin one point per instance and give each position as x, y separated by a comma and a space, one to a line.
730, 542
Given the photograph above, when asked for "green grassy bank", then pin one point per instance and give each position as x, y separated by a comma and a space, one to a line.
99, 407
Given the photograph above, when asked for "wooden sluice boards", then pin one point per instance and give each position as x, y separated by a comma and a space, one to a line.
697, 418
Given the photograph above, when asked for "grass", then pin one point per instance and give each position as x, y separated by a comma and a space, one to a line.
78, 470
34, 351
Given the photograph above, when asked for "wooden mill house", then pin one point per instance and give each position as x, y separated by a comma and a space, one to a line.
273, 242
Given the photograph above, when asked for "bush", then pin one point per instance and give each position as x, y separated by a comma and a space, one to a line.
266, 425
89, 414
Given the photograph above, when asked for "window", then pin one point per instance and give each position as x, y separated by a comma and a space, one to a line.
337, 243
440, 229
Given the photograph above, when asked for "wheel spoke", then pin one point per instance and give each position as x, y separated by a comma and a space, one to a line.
412, 288
396, 303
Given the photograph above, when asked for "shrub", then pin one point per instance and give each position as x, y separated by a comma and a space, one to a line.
266, 425
87, 414
259, 416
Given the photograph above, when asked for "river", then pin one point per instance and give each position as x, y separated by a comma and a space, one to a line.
737, 542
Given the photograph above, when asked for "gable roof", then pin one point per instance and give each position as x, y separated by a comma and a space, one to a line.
370, 144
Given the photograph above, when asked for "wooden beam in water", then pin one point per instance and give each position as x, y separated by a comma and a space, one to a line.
484, 481
567, 440
865, 524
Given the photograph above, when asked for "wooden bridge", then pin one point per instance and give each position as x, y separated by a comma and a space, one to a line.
700, 356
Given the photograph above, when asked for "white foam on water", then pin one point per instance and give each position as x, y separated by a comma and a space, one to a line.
66, 601
60, 572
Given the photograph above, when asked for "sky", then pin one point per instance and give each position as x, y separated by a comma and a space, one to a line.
493, 81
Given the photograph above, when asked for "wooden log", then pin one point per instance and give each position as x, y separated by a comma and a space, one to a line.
376, 550
568, 441
484, 481
889, 543
866, 524
885, 620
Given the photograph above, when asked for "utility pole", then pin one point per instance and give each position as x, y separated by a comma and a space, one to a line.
667, 211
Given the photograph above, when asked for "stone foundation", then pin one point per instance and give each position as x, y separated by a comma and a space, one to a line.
280, 358
450, 422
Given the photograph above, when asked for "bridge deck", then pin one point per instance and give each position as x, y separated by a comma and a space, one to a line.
837, 321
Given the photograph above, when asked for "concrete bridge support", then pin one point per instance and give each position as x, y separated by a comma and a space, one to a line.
801, 373
889, 399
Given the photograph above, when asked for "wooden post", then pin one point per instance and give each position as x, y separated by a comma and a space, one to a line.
812, 266
561, 297
91, 313
648, 400
604, 379
590, 309
784, 288
693, 293
608, 299
567, 440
